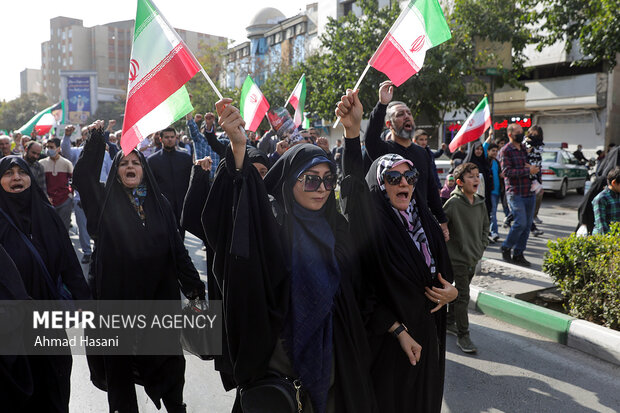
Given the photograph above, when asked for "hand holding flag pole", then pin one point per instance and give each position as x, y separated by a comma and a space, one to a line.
357, 85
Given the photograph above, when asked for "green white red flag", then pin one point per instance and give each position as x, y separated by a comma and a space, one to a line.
253, 105
45, 120
420, 26
160, 66
474, 126
298, 100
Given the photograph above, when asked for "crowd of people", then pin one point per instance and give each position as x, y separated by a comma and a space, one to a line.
342, 301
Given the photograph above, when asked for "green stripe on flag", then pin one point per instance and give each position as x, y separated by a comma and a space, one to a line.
436, 26
245, 89
145, 14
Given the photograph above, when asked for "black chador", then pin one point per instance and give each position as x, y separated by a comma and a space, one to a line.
38, 244
395, 276
139, 255
268, 296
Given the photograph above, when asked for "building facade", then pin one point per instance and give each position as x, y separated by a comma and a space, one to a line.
104, 49
31, 81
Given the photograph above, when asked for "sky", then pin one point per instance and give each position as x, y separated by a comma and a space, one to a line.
26, 24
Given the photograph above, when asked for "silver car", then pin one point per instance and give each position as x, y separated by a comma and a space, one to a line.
561, 171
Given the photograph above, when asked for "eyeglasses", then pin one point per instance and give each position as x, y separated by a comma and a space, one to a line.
394, 177
313, 182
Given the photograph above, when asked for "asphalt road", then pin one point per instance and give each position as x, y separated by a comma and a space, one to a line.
559, 218
514, 370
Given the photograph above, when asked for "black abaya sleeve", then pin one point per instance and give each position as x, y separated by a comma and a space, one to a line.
356, 206
249, 264
195, 199
86, 180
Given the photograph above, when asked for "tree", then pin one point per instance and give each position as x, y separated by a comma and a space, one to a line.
349, 42
594, 25
17, 112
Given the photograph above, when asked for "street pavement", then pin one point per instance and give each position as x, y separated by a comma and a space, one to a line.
514, 370
559, 218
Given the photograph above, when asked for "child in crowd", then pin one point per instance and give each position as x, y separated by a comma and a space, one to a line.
496, 192
447, 189
606, 204
468, 222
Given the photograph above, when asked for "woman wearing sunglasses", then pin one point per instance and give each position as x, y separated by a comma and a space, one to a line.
286, 269
405, 266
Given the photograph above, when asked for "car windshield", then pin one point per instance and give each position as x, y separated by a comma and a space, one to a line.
549, 156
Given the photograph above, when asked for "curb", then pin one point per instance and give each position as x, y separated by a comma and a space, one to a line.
587, 337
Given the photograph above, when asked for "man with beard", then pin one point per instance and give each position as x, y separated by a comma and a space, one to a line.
171, 169
5, 146
399, 120
32, 155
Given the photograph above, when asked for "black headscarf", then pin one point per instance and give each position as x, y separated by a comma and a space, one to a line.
257, 156
483, 167
34, 216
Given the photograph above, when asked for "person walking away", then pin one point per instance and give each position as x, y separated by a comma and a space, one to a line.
496, 192
468, 221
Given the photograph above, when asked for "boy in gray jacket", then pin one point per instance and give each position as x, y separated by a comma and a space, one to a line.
468, 222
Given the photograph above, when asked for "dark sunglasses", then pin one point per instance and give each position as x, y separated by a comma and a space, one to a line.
394, 177
313, 182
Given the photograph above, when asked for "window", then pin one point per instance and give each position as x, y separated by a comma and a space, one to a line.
290, 32
64, 62
70, 33
64, 48
64, 35
278, 37
70, 47
70, 60
59, 60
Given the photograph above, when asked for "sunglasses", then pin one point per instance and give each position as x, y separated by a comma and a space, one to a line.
394, 177
313, 182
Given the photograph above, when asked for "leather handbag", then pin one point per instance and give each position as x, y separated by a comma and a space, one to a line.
274, 393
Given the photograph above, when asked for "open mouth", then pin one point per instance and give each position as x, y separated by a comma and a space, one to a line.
476, 187
408, 125
404, 195
17, 187
131, 174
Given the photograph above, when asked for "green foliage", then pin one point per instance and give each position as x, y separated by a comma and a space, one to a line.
587, 271
349, 42
595, 25
17, 112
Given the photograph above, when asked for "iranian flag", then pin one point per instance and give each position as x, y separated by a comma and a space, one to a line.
298, 100
253, 105
474, 126
419, 27
45, 120
160, 66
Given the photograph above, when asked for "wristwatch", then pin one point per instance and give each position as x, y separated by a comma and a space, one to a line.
399, 330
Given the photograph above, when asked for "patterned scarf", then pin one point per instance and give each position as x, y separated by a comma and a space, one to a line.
410, 218
136, 198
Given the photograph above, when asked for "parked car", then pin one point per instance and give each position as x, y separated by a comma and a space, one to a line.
561, 171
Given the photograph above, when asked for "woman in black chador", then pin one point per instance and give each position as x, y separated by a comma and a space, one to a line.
287, 276
139, 255
405, 266
38, 243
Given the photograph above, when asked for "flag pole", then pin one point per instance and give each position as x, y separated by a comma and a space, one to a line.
294, 89
357, 85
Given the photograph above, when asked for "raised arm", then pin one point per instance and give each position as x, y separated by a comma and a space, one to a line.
65, 145
86, 176
375, 146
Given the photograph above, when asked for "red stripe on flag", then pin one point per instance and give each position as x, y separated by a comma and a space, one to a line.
161, 82
391, 59
262, 108
294, 101
468, 136
130, 139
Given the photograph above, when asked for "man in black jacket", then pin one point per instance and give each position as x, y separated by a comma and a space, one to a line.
399, 120
172, 168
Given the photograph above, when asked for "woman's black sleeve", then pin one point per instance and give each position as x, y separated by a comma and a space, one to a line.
194, 202
86, 179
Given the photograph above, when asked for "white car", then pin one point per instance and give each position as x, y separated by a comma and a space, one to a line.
561, 171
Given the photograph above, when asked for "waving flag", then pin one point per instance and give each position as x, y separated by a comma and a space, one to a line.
298, 100
474, 126
160, 66
43, 121
253, 105
419, 27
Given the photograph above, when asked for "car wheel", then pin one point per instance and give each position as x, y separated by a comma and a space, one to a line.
561, 194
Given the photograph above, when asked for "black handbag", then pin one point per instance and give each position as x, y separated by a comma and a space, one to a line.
196, 340
274, 393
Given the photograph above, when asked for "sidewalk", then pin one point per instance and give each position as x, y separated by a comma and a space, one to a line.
499, 290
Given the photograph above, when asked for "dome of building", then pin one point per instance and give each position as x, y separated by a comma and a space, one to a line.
264, 20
